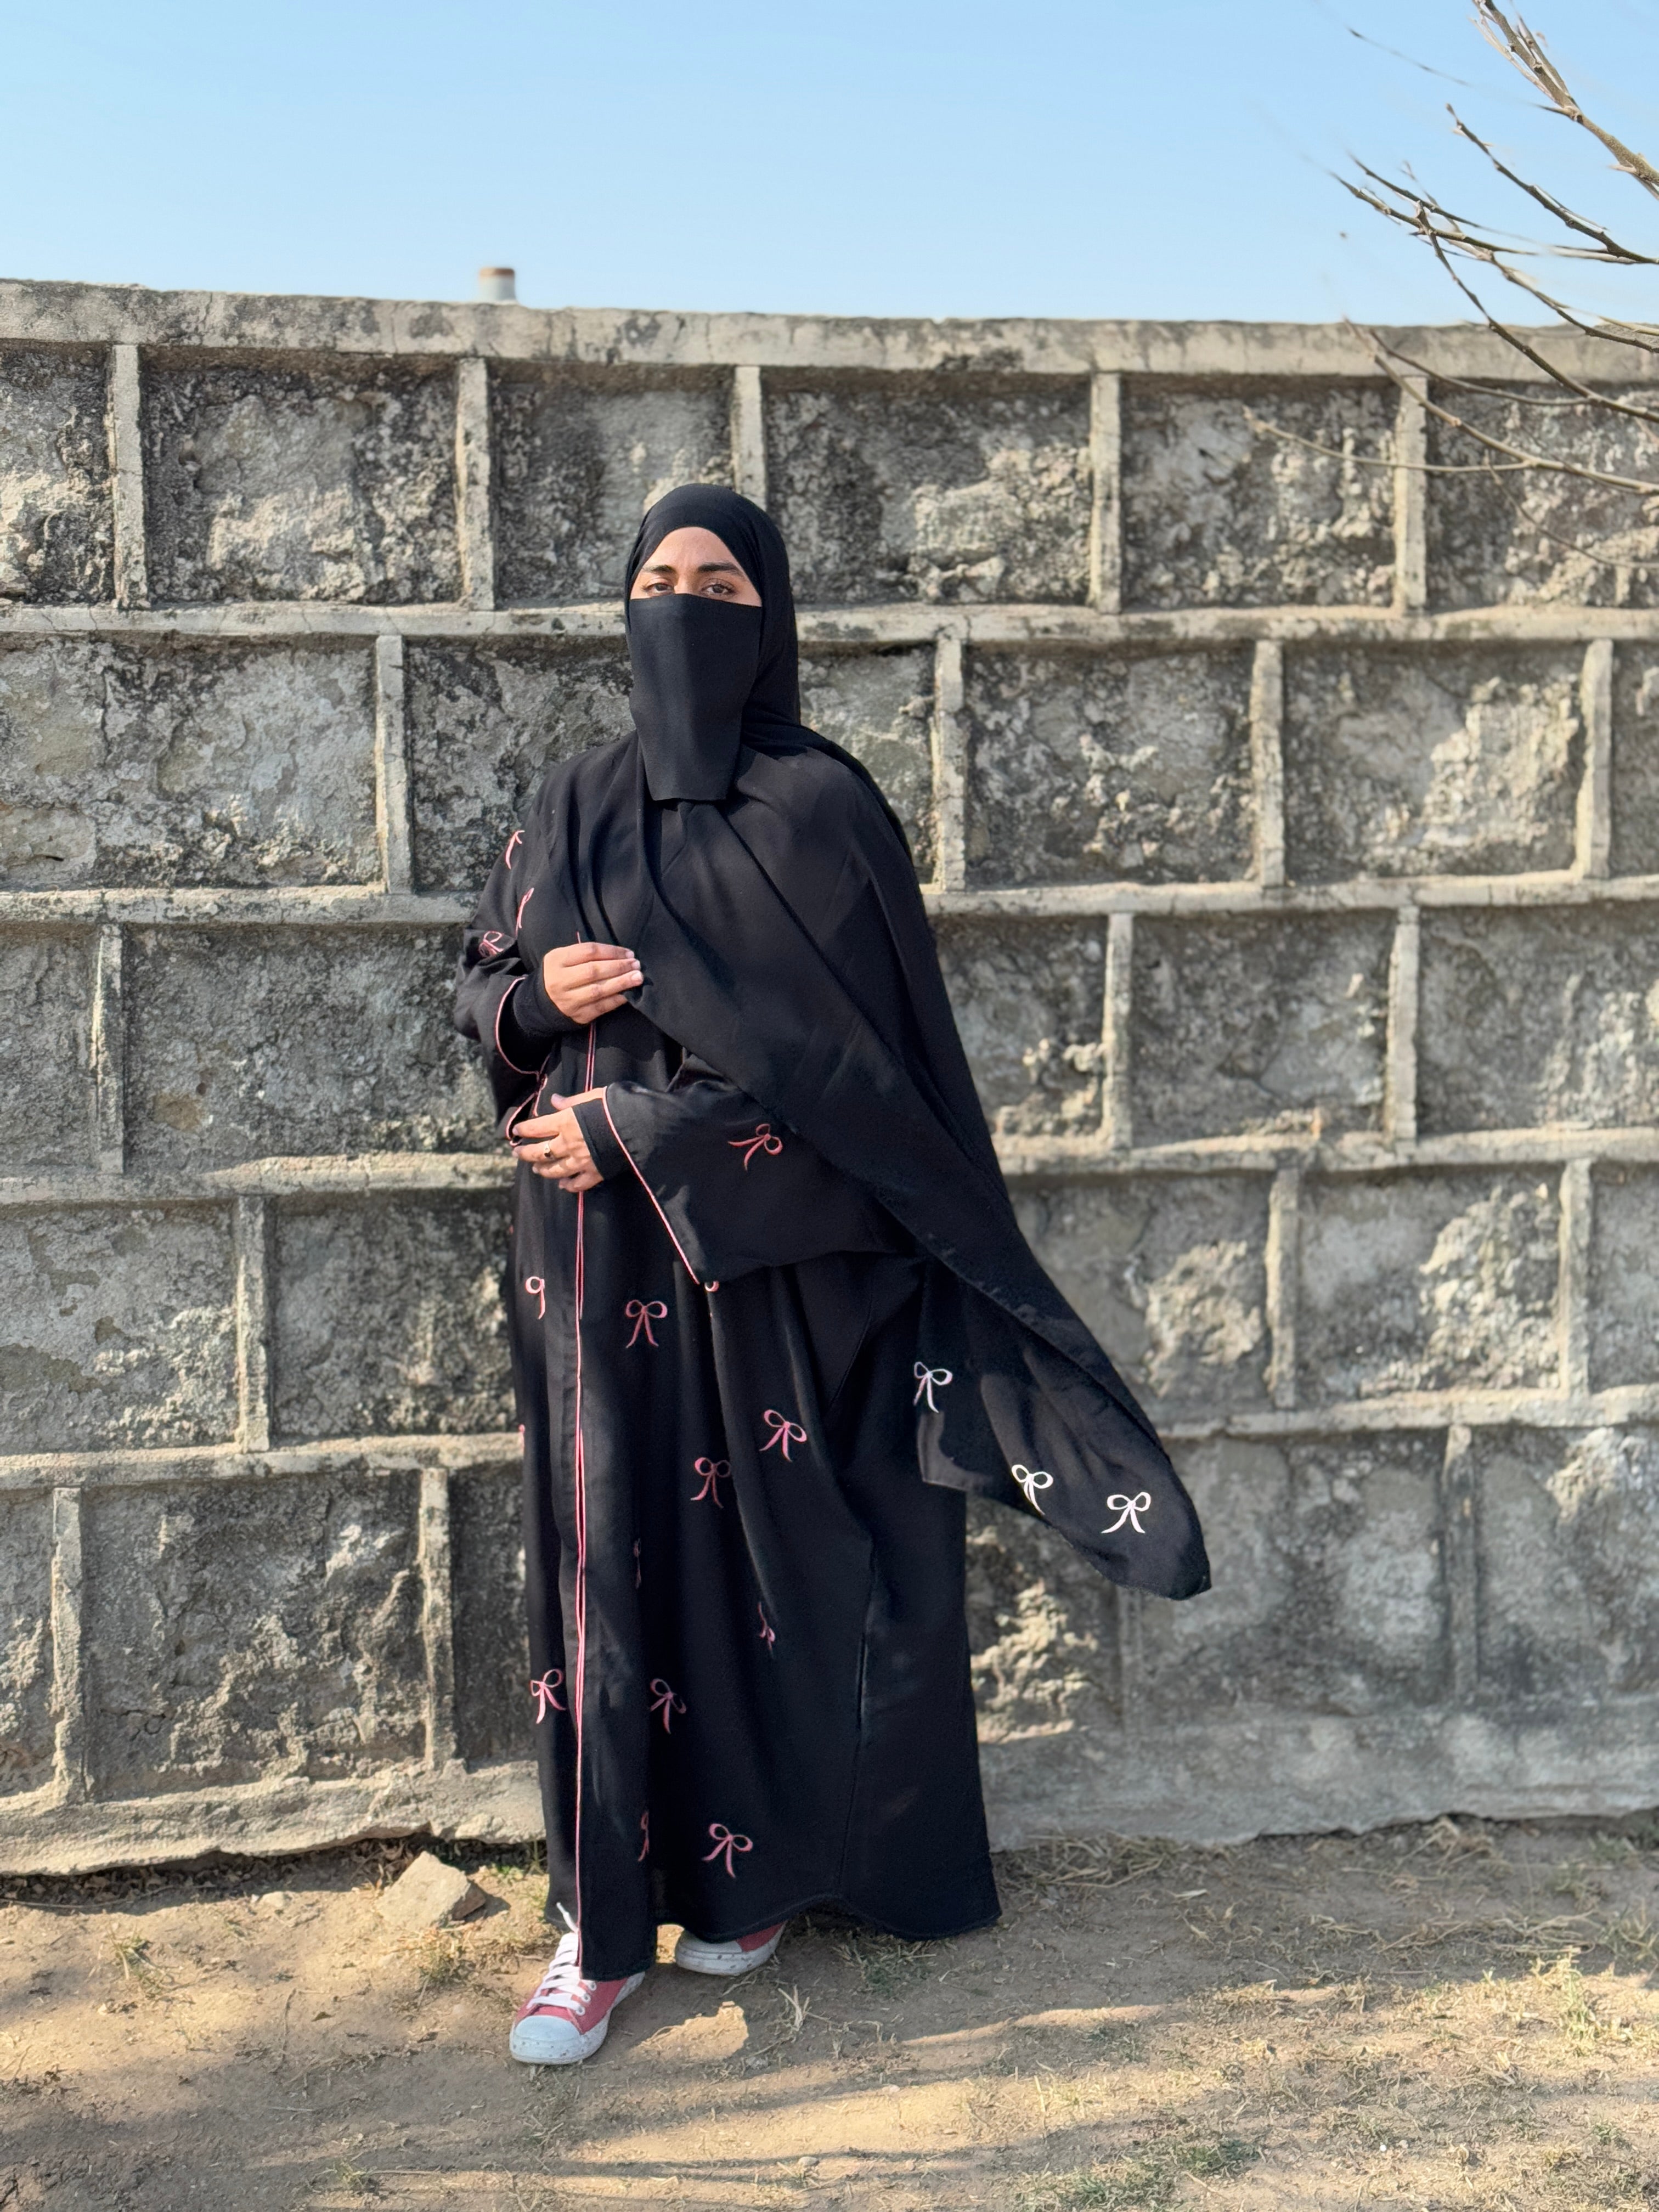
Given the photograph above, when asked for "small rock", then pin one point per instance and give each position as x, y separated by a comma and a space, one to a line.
428, 1895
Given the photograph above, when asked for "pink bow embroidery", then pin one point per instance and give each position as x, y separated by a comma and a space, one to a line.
542, 1690
538, 1286
768, 1634
645, 1835
762, 1141
782, 1431
714, 1473
513, 845
727, 1841
643, 1313
926, 1377
664, 1701
491, 943
523, 903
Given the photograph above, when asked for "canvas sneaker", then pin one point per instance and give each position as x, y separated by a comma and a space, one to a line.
740, 1954
566, 2018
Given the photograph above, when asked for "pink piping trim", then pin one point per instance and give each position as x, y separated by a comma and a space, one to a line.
500, 1010
578, 1697
605, 1102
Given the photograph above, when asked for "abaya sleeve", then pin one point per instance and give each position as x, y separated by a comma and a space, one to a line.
735, 1190
499, 995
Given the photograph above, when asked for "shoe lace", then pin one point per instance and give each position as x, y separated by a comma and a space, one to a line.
564, 1984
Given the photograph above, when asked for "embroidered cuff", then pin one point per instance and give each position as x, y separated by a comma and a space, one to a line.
608, 1155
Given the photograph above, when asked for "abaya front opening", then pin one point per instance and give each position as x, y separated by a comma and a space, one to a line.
760, 1365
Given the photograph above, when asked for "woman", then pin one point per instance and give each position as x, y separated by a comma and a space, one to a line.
771, 1318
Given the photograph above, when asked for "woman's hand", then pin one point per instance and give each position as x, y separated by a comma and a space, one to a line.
587, 981
552, 1145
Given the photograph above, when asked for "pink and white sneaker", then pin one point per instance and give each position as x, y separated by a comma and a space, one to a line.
740, 1954
567, 2018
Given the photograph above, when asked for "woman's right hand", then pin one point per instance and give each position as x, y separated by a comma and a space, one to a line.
587, 981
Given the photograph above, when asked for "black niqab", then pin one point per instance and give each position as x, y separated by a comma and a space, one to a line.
708, 673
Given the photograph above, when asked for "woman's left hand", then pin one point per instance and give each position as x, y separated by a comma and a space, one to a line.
552, 1145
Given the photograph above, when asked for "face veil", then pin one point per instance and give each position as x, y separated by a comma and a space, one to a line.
709, 677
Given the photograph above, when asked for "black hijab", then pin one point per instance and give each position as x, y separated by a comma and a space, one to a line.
709, 674
767, 891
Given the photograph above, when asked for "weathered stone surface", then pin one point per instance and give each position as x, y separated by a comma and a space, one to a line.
1329, 1591
1567, 1527
130, 762
947, 488
1528, 1019
485, 722
1220, 512
248, 1044
1044, 1631
300, 480
55, 531
1089, 768
1624, 1285
880, 706
1028, 999
1498, 537
1168, 1271
240, 1629
45, 1079
429, 1894
1430, 1282
26, 1713
493, 1708
1244, 1026
388, 1317
116, 1327
1455, 761
578, 458
1635, 850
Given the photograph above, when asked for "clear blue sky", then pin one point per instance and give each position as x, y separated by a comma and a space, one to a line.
935, 157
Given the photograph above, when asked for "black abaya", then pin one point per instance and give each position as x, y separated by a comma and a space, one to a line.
758, 1366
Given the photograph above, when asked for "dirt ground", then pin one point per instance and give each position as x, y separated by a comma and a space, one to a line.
1463, 2016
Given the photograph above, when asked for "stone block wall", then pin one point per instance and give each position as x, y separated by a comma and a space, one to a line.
1288, 817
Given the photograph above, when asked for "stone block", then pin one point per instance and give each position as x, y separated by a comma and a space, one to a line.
939, 488
494, 1710
45, 1079
250, 1043
1567, 1529
1329, 1591
1635, 780
1091, 768
129, 761
429, 1894
1445, 760
485, 722
278, 478
1168, 1271
1624, 1283
879, 706
1218, 511
239, 1630
27, 1720
56, 530
1427, 1282
388, 1317
1043, 1626
579, 455
1534, 535
1246, 1026
1528, 1018
1028, 997
118, 1327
